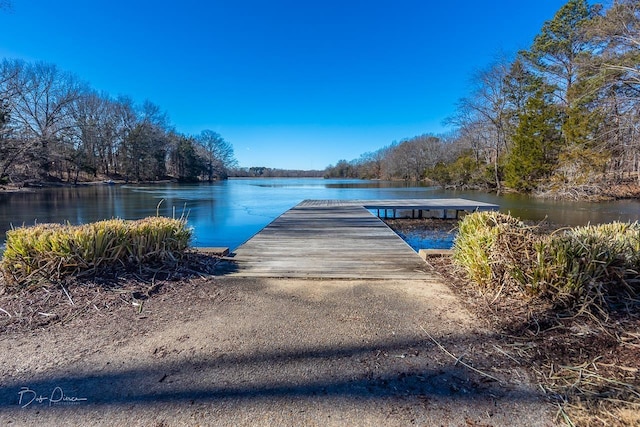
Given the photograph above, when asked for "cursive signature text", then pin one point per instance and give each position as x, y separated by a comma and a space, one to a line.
27, 396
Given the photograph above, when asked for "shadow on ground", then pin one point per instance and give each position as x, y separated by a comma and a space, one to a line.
392, 369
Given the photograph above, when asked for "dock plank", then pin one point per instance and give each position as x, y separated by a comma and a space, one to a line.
338, 239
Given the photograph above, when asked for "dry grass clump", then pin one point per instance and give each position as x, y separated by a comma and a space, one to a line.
475, 245
496, 251
592, 267
44, 253
581, 289
595, 393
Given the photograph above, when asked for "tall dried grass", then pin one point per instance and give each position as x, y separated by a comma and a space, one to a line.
488, 246
595, 265
44, 253
588, 272
581, 268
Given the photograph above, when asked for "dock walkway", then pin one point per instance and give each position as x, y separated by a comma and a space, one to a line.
338, 239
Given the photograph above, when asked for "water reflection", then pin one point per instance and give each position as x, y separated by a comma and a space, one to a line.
228, 213
432, 239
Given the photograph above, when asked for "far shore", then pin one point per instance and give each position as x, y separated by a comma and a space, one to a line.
629, 190
36, 185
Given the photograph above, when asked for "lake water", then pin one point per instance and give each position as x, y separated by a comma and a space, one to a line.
230, 212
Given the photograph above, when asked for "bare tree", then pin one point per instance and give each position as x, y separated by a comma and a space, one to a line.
125, 119
51, 123
96, 127
617, 36
618, 31
410, 158
488, 108
41, 106
372, 164
11, 147
218, 154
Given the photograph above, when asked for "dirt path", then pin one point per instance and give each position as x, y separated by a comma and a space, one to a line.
268, 352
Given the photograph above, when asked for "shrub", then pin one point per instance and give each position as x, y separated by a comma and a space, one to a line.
578, 268
591, 264
481, 249
42, 253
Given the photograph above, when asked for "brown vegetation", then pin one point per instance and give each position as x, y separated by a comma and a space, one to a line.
586, 361
26, 309
589, 367
47, 253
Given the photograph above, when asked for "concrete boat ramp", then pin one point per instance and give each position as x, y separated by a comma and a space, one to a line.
339, 239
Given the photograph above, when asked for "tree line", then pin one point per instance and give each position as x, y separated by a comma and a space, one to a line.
265, 172
53, 126
563, 117
408, 160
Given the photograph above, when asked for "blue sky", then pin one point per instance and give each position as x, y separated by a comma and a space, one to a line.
291, 84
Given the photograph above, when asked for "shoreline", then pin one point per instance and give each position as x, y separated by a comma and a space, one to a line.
622, 191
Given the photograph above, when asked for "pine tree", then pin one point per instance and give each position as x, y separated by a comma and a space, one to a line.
536, 143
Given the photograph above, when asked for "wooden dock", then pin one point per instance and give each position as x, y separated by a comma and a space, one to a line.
417, 206
338, 239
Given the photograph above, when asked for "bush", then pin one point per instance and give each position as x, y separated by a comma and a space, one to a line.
480, 247
577, 268
591, 265
42, 253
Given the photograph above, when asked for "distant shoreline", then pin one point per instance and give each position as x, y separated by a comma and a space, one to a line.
622, 191
31, 187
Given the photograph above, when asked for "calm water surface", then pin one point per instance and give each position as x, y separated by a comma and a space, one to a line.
230, 212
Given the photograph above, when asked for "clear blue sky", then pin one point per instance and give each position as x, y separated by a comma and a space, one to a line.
291, 84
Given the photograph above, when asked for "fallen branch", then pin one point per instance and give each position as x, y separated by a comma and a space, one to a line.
458, 359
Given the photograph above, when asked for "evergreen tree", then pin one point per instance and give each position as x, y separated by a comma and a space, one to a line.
144, 151
189, 164
536, 143
562, 56
556, 51
520, 84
